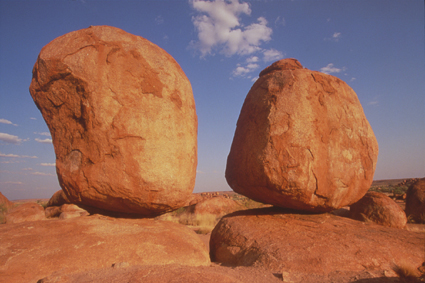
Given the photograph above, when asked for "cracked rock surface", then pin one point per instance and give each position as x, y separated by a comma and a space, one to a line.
302, 141
123, 121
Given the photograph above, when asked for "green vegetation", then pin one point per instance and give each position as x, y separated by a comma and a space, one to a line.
394, 189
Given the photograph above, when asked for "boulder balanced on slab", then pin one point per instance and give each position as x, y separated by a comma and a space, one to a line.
123, 120
302, 141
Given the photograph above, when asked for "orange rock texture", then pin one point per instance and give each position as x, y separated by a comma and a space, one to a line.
302, 141
34, 250
380, 209
123, 121
29, 211
312, 247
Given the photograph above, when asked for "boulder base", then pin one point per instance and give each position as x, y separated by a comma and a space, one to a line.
123, 121
302, 141
312, 247
34, 250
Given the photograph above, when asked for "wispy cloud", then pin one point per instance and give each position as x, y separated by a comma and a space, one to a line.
10, 138
244, 70
48, 164
43, 141
280, 21
4, 121
219, 28
41, 174
335, 37
330, 68
47, 134
159, 20
16, 156
13, 183
272, 55
32, 118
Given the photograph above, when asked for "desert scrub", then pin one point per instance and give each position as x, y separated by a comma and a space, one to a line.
3, 210
406, 270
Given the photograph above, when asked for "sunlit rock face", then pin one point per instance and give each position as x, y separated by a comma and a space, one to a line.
302, 141
123, 120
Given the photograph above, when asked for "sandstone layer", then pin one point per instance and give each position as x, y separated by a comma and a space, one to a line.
380, 209
34, 250
302, 141
123, 121
415, 201
312, 247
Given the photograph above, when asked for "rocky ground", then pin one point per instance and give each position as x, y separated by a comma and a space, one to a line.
285, 247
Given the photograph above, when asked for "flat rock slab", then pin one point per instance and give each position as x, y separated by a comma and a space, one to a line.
313, 247
34, 250
169, 274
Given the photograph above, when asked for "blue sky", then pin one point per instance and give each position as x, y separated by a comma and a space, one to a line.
376, 46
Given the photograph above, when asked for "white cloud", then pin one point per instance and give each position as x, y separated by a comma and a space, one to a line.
4, 121
242, 71
336, 36
32, 118
43, 141
9, 138
219, 28
252, 59
47, 134
48, 164
16, 156
330, 68
272, 55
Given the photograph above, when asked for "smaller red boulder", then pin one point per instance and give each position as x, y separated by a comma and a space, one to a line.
380, 209
415, 201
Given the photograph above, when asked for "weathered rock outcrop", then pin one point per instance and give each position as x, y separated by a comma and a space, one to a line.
59, 198
25, 212
312, 247
123, 120
302, 141
5, 202
415, 201
218, 206
34, 250
380, 209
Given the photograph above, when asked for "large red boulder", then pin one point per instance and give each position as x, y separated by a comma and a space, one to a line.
123, 120
313, 247
302, 141
29, 211
35, 250
415, 201
380, 209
